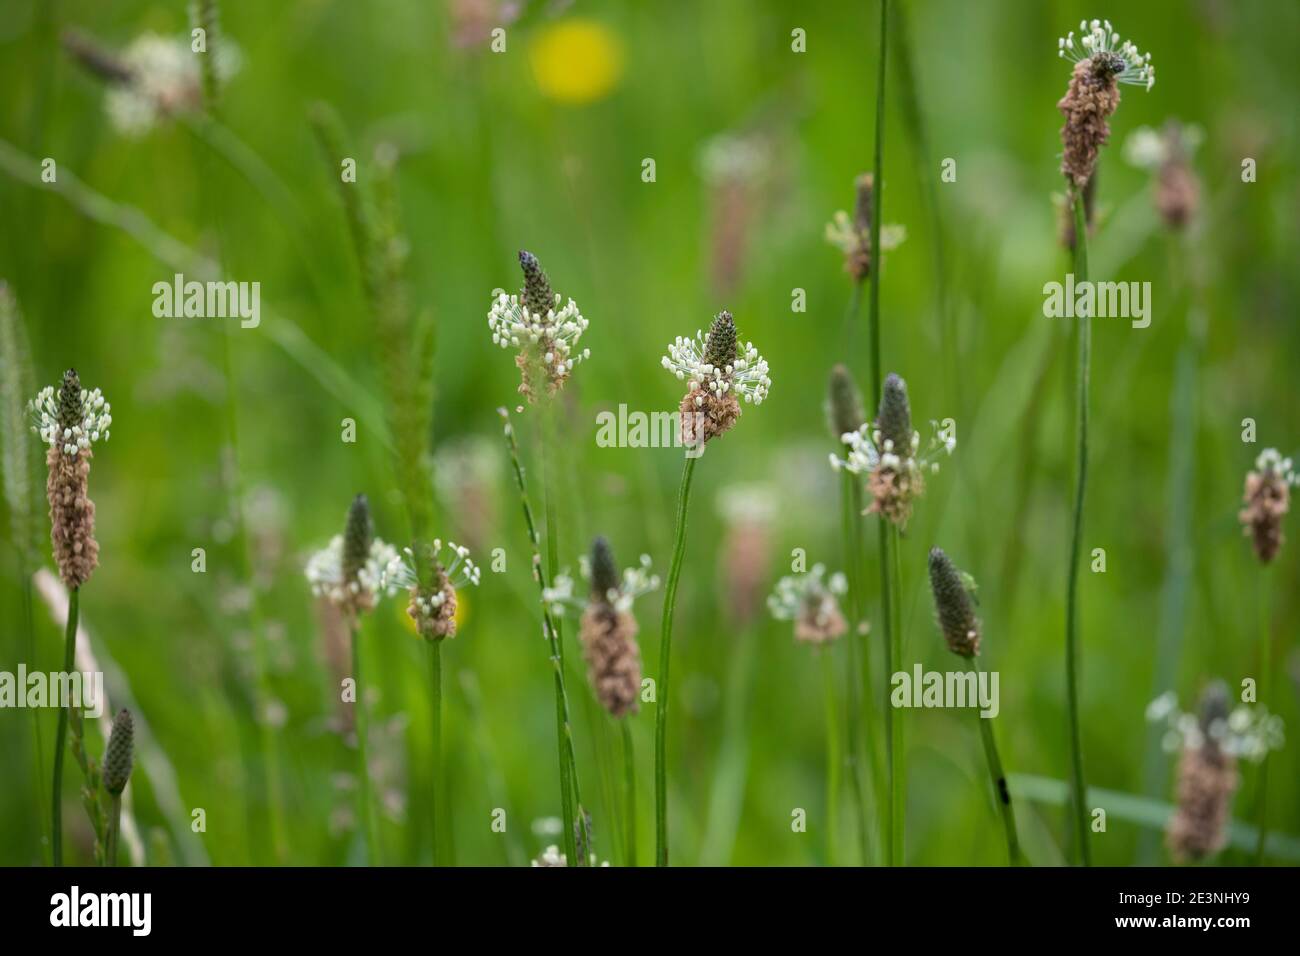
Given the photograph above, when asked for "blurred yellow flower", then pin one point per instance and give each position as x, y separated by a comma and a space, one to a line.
577, 61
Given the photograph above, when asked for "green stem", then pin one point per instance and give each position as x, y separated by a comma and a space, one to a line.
61, 736
563, 736
582, 847
435, 680
877, 185
833, 756
861, 712
629, 783
665, 651
114, 829
1265, 694
897, 765
1072, 652
1001, 793
365, 807
891, 662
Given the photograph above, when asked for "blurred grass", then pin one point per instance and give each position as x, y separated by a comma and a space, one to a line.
491, 165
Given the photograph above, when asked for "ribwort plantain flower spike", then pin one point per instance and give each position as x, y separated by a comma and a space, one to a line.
844, 408
70, 422
1101, 62
953, 607
433, 607
543, 333
852, 234
118, 753
349, 571
722, 372
889, 453
1268, 499
811, 601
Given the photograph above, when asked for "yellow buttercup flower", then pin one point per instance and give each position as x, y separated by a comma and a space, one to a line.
577, 61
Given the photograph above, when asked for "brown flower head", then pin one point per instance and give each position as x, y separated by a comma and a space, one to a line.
844, 408
811, 601
608, 629
1207, 779
721, 373
889, 453
432, 574
1267, 498
1101, 63
544, 334
852, 234
70, 422
953, 607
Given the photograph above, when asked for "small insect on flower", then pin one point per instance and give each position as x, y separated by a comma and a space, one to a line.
811, 601
1101, 62
889, 453
1268, 499
349, 571
721, 374
543, 333
432, 606
70, 421
852, 234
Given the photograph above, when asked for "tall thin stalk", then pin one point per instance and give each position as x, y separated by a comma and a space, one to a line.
861, 710
569, 792
665, 652
897, 767
113, 830
1072, 652
435, 686
1265, 693
61, 736
361, 721
878, 184
1001, 793
833, 757
629, 785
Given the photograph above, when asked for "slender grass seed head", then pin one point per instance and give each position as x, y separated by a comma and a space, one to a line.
953, 607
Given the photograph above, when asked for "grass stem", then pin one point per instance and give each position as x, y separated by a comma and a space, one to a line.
1072, 653
629, 785
834, 758
665, 652
113, 830
435, 684
1001, 793
897, 769
365, 808
61, 736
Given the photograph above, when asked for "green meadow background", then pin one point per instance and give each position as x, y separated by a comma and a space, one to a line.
541, 147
